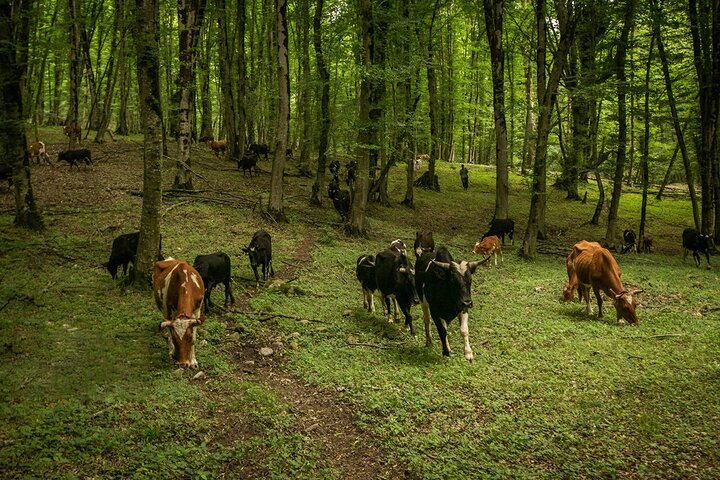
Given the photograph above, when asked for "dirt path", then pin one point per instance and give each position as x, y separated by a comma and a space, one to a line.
321, 415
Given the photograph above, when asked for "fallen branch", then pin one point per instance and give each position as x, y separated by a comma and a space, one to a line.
373, 345
269, 315
665, 335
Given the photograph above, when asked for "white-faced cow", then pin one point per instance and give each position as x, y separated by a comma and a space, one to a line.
423, 243
597, 269
179, 293
365, 273
630, 243
260, 254
696, 242
214, 270
396, 280
489, 246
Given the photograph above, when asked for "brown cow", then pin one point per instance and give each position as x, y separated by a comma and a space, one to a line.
489, 246
39, 152
217, 146
597, 269
179, 293
73, 133
572, 284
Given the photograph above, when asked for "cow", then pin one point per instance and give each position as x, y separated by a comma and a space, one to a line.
395, 279
39, 152
365, 273
499, 227
259, 252
489, 246
444, 288
340, 198
214, 270
573, 285
248, 162
696, 242
334, 167
422, 156
73, 132
417, 165
74, 156
597, 269
629, 241
217, 146
351, 168
398, 247
647, 244
423, 243
123, 251
259, 149
179, 292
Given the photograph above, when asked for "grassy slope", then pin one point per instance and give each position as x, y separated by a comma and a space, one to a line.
86, 388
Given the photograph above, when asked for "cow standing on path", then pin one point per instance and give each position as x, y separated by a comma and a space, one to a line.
395, 280
214, 270
260, 254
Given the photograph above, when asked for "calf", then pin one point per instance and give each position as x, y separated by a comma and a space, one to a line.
340, 198
629, 241
647, 244
39, 152
74, 156
597, 269
259, 149
179, 292
499, 227
489, 246
123, 251
444, 287
73, 132
423, 243
214, 270
365, 273
248, 162
217, 146
260, 254
396, 280
696, 242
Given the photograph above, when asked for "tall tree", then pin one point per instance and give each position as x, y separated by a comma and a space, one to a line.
190, 18
147, 43
494, 30
645, 144
282, 128
206, 127
319, 185
112, 73
241, 78
226, 78
14, 35
433, 103
73, 116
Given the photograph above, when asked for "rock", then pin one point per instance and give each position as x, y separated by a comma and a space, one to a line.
347, 313
266, 351
294, 345
178, 371
295, 334
199, 375
234, 336
249, 362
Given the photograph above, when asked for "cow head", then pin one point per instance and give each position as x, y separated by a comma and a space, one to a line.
254, 254
707, 242
112, 268
568, 292
406, 278
625, 305
399, 246
182, 340
424, 242
459, 275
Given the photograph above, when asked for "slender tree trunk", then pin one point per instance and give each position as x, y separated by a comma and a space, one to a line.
92, 84
405, 89
668, 172
611, 232
433, 101
305, 89
147, 13
112, 75
242, 78
494, 27
125, 75
377, 103
226, 77
206, 125
324, 120
282, 130
528, 156
57, 82
645, 145
73, 117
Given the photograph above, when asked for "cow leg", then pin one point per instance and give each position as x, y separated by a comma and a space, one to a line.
272, 272
426, 320
502, 260
707, 257
193, 360
598, 296
409, 321
257, 277
125, 265
442, 333
465, 332
365, 305
495, 255
228, 293
685, 252
396, 309
696, 256
511, 235
586, 299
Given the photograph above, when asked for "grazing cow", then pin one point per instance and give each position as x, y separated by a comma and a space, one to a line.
351, 168
423, 243
75, 156
499, 227
572, 285
444, 287
260, 253
489, 246
123, 251
214, 270
179, 293
396, 280
365, 273
647, 244
259, 149
39, 152
597, 269
217, 146
696, 242
248, 162
334, 167
630, 241
73, 132
340, 198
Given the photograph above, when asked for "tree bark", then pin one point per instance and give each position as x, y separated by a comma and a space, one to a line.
75, 74
433, 103
528, 156
112, 74
125, 76
282, 130
147, 43
324, 120
206, 125
645, 145
226, 77
241, 79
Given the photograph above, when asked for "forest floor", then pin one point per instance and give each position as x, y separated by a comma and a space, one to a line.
87, 390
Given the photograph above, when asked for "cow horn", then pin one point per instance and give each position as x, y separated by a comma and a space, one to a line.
444, 265
636, 291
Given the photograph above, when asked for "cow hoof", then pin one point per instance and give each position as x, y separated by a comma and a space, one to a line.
621, 321
469, 357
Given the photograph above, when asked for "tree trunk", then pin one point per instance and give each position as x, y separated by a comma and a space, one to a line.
668, 172
226, 77
645, 145
147, 43
241, 79
528, 155
206, 125
305, 89
622, 87
433, 104
282, 130
125, 76
190, 18
494, 27
405, 89
324, 120
92, 85
75, 74
112, 74
377, 99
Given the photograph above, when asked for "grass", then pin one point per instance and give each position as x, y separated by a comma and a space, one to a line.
87, 390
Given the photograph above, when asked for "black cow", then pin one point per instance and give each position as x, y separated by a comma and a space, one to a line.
75, 156
248, 162
365, 273
340, 198
259, 149
334, 167
260, 253
124, 249
696, 242
396, 280
500, 227
630, 241
423, 243
444, 288
214, 270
